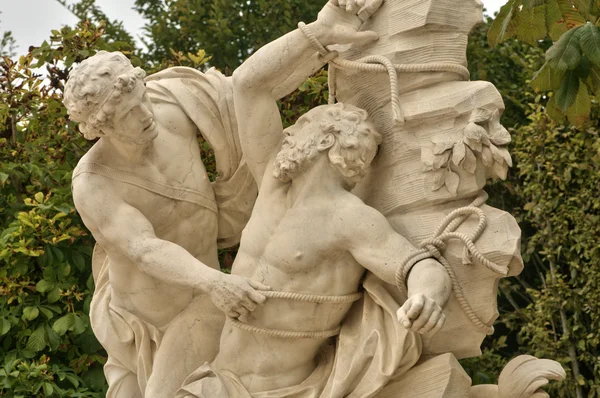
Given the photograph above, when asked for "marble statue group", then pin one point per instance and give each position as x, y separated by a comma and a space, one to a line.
368, 259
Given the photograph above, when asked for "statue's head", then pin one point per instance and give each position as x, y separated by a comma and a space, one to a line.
342, 132
107, 96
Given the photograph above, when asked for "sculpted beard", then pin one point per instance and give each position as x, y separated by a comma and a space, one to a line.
293, 157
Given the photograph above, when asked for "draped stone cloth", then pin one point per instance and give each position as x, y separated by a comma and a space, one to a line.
207, 99
371, 349
131, 342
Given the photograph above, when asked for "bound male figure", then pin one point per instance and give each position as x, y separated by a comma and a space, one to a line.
311, 240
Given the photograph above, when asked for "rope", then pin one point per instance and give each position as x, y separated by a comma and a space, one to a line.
312, 298
377, 63
445, 232
432, 247
284, 334
303, 297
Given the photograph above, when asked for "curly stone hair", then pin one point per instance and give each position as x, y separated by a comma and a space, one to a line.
95, 88
356, 139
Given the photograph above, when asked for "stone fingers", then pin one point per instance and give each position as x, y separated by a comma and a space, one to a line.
438, 326
410, 310
421, 318
434, 322
369, 9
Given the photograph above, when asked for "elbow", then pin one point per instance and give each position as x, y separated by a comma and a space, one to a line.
242, 79
140, 252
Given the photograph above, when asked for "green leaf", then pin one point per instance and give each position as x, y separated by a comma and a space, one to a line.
54, 295
529, 4
502, 25
46, 312
580, 110
531, 24
30, 313
58, 254
78, 261
547, 78
553, 14
590, 42
48, 389
44, 286
594, 79
73, 380
570, 15
79, 325
3, 178
4, 326
52, 337
64, 324
37, 340
39, 197
565, 53
553, 111
566, 94
582, 6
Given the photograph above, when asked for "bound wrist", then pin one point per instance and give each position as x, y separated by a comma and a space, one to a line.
321, 32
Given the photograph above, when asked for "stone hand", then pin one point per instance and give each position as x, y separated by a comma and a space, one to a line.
236, 295
336, 26
363, 8
421, 314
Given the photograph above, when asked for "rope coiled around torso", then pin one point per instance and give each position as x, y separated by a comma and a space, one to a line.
301, 297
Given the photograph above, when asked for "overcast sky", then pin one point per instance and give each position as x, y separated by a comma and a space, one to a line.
32, 20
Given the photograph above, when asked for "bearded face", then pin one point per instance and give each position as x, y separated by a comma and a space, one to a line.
296, 153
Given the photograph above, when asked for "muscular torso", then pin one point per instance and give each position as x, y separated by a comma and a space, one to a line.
177, 163
291, 249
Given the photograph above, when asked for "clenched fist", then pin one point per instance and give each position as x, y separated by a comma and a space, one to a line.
421, 314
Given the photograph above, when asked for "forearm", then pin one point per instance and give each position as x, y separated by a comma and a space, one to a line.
171, 263
274, 63
289, 60
430, 278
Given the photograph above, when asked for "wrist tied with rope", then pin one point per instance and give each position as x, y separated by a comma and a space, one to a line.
377, 63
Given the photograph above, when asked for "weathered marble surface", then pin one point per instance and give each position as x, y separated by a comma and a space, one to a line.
342, 286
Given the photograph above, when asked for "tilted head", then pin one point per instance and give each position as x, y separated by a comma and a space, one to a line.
343, 132
107, 96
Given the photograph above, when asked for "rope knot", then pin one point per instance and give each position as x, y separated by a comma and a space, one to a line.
434, 246
435, 243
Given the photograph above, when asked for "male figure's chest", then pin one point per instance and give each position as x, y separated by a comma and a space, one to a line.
291, 240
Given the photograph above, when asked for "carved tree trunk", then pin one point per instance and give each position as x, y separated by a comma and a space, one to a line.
439, 159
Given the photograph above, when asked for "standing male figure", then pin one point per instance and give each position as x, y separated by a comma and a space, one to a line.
144, 193
311, 240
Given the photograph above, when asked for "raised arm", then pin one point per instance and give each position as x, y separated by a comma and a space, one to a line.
376, 246
122, 227
277, 69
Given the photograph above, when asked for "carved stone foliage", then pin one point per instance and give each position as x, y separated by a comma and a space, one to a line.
484, 139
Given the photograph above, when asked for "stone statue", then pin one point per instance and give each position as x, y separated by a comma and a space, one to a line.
311, 241
143, 192
361, 272
441, 140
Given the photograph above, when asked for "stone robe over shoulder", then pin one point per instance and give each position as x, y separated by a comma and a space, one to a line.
207, 99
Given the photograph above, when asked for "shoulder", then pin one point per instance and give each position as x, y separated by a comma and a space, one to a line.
91, 190
356, 220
